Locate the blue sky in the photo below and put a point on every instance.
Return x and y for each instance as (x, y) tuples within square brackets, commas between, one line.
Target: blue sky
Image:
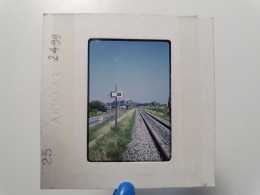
[(139, 68)]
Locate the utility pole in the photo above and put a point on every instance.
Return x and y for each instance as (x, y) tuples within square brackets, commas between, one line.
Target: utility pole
[(110, 110), (109, 96), (119, 107), (116, 108), (116, 94)]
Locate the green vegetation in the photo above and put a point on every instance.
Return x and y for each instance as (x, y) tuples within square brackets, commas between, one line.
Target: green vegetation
[(154, 103), (111, 146), (160, 111), (96, 108), (93, 131), (93, 113)]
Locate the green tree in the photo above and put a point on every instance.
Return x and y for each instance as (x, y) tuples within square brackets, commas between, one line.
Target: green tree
[(97, 105), (154, 103)]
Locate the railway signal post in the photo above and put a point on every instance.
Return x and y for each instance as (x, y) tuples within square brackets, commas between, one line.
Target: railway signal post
[(116, 94)]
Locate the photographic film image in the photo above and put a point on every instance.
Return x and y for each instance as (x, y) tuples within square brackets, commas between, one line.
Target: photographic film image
[(129, 100)]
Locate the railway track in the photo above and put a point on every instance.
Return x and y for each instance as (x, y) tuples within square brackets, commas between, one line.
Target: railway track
[(158, 119), (160, 133), (151, 139)]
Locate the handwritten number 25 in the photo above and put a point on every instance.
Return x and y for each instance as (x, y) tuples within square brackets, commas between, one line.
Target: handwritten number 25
[(47, 160)]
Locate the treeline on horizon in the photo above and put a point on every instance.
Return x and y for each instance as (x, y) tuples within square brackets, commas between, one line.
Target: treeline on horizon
[(99, 106)]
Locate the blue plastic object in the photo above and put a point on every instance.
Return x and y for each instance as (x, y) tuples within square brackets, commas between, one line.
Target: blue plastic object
[(125, 188)]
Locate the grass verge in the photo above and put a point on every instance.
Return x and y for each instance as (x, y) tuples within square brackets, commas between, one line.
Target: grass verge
[(93, 131), (111, 146)]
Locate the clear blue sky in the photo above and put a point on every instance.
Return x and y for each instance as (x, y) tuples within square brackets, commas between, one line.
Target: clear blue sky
[(139, 68)]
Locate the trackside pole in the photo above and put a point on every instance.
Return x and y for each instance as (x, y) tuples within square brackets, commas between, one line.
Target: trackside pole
[(116, 108)]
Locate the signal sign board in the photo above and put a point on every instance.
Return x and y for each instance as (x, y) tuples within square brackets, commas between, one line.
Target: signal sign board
[(117, 94), (113, 94)]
